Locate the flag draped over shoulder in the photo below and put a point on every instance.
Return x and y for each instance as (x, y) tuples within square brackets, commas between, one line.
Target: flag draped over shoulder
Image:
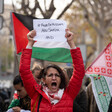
[(49, 51), (100, 72)]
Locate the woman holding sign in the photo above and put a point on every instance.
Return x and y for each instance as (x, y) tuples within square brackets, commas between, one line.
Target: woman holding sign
[(54, 95)]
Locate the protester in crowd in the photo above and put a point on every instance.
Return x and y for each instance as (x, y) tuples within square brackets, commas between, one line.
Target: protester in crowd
[(36, 71), (1, 104), (92, 106), (87, 80), (80, 102), (56, 95), (68, 73), (21, 102), (4, 99)]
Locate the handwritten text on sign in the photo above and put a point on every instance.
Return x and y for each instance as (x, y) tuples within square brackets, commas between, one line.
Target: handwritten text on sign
[(49, 30)]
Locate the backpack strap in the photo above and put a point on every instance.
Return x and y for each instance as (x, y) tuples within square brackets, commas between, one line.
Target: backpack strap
[(39, 103), (33, 110)]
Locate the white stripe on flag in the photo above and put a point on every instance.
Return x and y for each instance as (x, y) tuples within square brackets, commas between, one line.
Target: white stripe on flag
[(42, 44)]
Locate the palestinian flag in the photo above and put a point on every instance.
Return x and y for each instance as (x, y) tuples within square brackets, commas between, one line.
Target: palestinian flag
[(49, 51)]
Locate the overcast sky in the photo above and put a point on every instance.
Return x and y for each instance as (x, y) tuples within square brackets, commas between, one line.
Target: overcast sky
[(7, 1)]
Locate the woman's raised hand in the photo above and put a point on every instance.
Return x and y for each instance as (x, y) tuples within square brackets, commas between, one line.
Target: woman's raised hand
[(69, 37), (30, 37)]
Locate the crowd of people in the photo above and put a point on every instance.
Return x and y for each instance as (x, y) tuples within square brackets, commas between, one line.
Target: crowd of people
[(5, 95), (52, 88)]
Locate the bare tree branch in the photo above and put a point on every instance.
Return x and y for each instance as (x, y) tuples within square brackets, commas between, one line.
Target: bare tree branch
[(94, 9), (87, 17), (37, 5), (51, 10), (100, 15), (47, 13), (65, 9)]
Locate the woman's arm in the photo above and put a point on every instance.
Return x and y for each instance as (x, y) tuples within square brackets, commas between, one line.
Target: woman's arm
[(21, 110), (25, 72), (10, 110), (25, 110), (78, 73)]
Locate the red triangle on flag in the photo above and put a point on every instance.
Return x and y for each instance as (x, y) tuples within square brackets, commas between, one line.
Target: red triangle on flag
[(103, 63), (20, 34)]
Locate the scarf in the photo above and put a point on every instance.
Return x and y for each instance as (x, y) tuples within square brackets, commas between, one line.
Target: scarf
[(25, 103), (53, 96)]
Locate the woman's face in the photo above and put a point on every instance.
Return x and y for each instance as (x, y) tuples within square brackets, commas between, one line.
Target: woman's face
[(20, 90), (52, 79)]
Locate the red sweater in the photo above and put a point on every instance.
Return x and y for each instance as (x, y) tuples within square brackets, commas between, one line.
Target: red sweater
[(33, 89)]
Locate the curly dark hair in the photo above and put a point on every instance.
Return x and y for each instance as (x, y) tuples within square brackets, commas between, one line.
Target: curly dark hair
[(43, 73)]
